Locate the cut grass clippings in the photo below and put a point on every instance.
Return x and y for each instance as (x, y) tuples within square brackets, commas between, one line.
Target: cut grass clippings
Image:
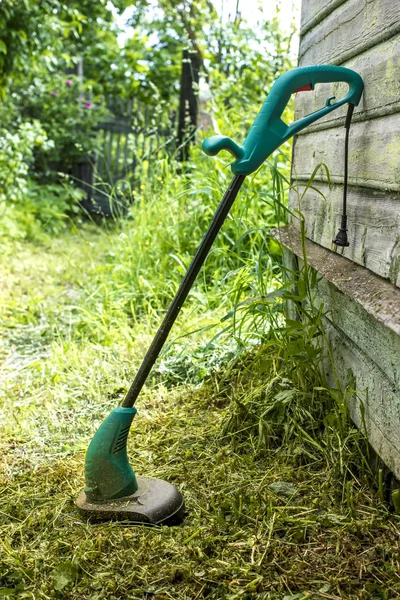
[(271, 513)]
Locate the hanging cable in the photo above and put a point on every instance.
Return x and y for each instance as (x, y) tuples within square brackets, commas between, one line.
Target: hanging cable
[(341, 236)]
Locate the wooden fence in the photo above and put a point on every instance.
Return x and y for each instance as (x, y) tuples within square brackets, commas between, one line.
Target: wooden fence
[(132, 133)]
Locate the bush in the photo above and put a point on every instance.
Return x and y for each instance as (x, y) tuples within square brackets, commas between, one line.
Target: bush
[(67, 115), (40, 210), (16, 156)]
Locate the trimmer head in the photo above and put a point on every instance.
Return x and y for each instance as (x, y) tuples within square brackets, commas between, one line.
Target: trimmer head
[(156, 502), (113, 492)]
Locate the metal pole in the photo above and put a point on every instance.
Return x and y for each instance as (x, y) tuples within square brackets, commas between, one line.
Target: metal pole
[(184, 289)]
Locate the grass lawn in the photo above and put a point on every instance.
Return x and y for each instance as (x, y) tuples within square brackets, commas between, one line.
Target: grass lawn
[(291, 520)]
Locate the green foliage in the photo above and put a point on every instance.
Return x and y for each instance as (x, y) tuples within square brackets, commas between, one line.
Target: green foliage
[(39, 211), (292, 517), (187, 22), (52, 204), (241, 72), (16, 157), (281, 472), (30, 33), (295, 402), (148, 69), (148, 66), (44, 36), (51, 129), (62, 106), (170, 215), (237, 70)]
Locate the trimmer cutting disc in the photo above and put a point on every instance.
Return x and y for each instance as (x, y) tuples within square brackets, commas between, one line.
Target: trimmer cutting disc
[(156, 502)]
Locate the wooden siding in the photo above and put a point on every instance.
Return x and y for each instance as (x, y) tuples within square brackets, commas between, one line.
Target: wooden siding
[(363, 35), (363, 328), (313, 12), (380, 68), (377, 395), (350, 29), (373, 234), (361, 295)]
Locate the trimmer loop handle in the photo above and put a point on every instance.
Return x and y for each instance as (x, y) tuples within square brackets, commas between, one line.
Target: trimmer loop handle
[(268, 131)]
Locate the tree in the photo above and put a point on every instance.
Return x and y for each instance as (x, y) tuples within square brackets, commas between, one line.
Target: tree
[(45, 34)]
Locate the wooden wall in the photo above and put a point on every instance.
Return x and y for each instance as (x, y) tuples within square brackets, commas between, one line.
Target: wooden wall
[(363, 35), (363, 328), (363, 310)]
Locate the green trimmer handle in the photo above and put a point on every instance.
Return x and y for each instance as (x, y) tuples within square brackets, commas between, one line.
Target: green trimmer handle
[(268, 131)]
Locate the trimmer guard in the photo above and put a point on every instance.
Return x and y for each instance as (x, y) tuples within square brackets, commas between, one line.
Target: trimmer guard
[(156, 502), (113, 491)]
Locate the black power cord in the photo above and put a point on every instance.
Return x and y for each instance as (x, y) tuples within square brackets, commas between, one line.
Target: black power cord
[(341, 236)]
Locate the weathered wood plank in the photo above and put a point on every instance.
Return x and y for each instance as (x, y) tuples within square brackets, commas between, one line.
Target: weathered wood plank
[(363, 323), (349, 30), (379, 68), (378, 395), (315, 12), (373, 225), (373, 153), (377, 342), (373, 211)]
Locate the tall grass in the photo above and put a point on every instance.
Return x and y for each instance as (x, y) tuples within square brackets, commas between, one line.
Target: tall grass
[(145, 256), (105, 287), (238, 413), (263, 450)]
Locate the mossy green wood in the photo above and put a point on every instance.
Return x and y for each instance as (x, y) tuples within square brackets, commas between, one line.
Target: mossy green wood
[(108, 472), (268, 131)]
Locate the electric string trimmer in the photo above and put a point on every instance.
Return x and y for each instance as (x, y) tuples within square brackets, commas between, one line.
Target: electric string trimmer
[(112, 489)]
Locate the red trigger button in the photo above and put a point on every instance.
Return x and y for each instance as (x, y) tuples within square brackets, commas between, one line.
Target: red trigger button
[(305, 88)]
